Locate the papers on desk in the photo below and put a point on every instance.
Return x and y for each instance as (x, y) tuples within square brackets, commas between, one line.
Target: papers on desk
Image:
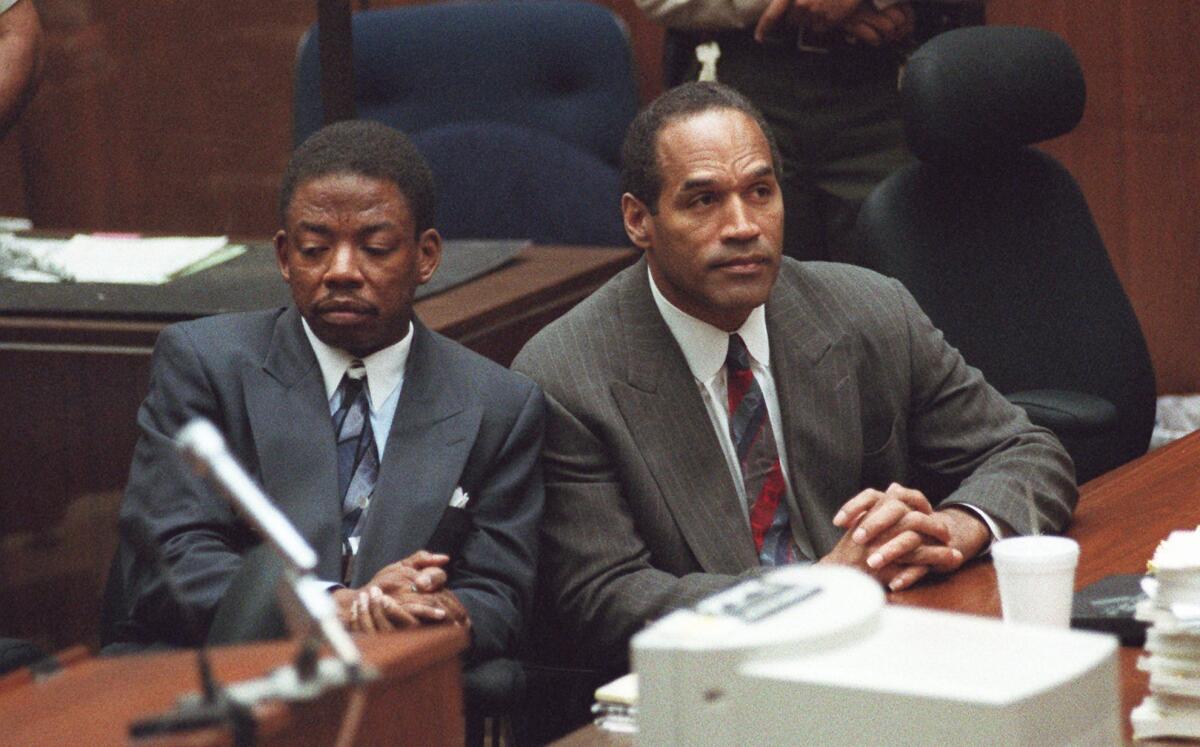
[(1172, 658), (616, 705), (99, 258)]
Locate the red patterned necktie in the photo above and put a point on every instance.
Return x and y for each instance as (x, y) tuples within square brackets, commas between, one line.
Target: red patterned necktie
[(762, 474)]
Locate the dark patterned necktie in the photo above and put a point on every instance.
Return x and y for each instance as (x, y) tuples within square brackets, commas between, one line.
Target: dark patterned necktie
[(358, 457), (762, 474)]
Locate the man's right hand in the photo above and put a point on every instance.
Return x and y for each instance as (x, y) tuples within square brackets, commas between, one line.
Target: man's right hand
[(423, 571), (404, 594), (878, 27), (856, 20), (895, 536)]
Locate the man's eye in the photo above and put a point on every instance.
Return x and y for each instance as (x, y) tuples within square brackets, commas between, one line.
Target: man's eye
[(377, 251), (703, 200), (310, 251), (763, 191)]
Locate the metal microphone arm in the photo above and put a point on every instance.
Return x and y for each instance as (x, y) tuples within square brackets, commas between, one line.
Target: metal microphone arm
[(204, 448)]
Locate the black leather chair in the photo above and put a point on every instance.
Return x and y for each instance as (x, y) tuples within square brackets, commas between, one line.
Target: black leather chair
[(16, 653), (995, 240)]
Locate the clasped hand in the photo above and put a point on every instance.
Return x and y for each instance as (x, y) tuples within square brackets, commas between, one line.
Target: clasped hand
[(856, 20), (404, 594), (896, 536)]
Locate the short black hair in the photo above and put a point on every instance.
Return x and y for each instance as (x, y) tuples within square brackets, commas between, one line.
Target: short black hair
[(640, 175), (369, 149)]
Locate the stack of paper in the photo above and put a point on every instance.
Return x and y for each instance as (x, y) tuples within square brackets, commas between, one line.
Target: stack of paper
[(115, 258), (1172, 709), (616, 705)]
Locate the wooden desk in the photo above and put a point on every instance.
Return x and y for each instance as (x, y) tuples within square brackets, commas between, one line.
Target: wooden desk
[(71, 389), (416, 700), (1121, 518)]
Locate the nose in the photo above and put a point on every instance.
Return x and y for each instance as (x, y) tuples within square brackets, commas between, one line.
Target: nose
[(343, 269), (740, 223)]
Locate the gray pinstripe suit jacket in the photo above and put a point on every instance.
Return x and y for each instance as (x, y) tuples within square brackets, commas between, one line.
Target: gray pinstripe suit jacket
[(641, 512)]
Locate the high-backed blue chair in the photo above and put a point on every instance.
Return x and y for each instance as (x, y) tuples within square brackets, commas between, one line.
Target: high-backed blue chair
[(995, 240), (519, 105)]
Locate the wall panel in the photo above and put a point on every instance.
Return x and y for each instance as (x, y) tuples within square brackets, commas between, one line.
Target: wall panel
[(1137, 156), (175, 115)]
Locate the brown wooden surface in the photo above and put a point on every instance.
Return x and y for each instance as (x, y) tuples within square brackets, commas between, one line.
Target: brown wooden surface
[(67, 426), (416, 700), (1120, 519)]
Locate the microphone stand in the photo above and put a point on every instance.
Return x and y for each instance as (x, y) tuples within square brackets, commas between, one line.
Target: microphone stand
[(308, 609)]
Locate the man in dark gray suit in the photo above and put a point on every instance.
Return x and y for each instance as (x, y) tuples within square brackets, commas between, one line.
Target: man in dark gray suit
[(442, 433), (716, 408)]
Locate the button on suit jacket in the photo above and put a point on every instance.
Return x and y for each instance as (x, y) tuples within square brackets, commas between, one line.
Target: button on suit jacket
[(641, 510), (461, 421)]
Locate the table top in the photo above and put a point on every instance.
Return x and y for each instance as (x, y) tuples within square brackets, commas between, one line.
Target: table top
[(1120, 519), (537, 275)]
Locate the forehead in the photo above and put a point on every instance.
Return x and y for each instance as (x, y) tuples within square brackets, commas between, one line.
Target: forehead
[(343, 195), (710, 143)]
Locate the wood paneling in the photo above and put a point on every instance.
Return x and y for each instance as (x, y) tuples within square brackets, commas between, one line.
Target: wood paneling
[(1137, 156), (176, 116)]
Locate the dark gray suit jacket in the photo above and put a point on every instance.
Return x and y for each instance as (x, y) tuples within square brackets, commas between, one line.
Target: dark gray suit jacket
[(641, 512), (461, 420)]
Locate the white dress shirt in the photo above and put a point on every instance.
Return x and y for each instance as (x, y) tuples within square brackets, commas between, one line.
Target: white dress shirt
[(385, 379), (705, 347)]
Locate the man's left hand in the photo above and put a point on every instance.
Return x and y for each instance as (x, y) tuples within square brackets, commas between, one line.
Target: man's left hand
[(903, 538), (817, 16), (373, 611)]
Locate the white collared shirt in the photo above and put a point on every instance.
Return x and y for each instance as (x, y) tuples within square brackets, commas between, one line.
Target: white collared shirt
[(705, 348), (385, 379)]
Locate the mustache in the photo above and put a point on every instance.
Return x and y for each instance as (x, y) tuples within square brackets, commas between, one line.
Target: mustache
[(344, 303), (756, 257)]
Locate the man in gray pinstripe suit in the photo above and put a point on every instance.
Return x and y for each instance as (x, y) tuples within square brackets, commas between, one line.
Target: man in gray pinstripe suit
[(897, 457)]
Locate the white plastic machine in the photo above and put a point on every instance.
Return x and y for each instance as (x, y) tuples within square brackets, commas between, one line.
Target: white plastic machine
[(813, 656)]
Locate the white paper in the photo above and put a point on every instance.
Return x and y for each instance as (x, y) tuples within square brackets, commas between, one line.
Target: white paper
[(128, 259)]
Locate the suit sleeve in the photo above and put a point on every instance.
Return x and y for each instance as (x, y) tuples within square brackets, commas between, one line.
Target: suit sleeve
[(963, 430), (494, 575), (165, 507)]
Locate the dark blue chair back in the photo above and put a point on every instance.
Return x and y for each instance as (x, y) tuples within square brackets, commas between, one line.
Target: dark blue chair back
[(502, 181), (559, 69), (996, 241)]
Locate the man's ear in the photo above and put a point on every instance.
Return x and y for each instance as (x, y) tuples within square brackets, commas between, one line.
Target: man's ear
[(281, 250), (429, 254), (638, 221)]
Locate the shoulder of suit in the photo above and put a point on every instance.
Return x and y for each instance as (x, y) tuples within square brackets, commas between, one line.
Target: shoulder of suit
[(594, 319), (832, 276), (230, 330), (841, 298), (453, 359)]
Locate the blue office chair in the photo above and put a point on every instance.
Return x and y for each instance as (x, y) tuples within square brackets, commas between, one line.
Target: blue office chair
[(996, 242), (520, 106)]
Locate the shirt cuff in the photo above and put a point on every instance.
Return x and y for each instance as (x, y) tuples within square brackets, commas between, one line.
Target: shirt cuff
[(994, 529)]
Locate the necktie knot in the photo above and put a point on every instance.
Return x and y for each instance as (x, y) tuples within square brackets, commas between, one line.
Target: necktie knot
[(738, 357), (352, 383)]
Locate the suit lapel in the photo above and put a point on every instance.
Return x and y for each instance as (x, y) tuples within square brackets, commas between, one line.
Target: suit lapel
[(293, 438), (426, 452), (810, 362), (666, 416)]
